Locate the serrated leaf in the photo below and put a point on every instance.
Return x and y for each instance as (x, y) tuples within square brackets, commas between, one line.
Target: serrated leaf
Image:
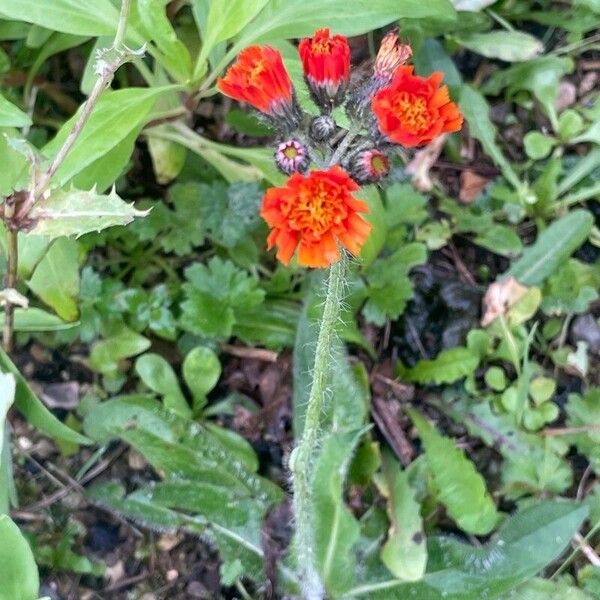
[(335, 528), (553, 245), (460, 487), (447, 367), (75, 212)]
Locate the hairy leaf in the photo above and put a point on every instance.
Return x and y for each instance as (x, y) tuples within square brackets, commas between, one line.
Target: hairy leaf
[(448, 366)]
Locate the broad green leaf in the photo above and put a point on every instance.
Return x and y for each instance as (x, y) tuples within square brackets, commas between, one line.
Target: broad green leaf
[(125, 343), (18, 571), (174, 55), (447, 367), (476, 111), (159, 376), (56, 278), (223, 517), (510, 46), (460, 487), (118, 116), (284, 19), (15, 167), (537, 145), (37, 415), (405, 551), (335, 528), (226, 18), (544, 589), (75, 212), (7, 397), (525, 544), (79, 17), (553, 246), (201, 371), (11, 116), (35, 319), (584, 411), (178, 446), (376, 216)]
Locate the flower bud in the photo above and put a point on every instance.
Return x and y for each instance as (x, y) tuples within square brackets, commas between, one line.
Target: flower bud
[(322, 128), (292, 156), (369, 166)]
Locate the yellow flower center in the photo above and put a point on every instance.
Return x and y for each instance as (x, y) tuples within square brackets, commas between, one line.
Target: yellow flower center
[(316, 209), (412, 111)]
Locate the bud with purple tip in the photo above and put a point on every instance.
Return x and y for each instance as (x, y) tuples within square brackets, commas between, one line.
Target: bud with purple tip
[(292, 156)]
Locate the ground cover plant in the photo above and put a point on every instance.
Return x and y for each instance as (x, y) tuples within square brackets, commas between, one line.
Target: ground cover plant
[(300, 299)]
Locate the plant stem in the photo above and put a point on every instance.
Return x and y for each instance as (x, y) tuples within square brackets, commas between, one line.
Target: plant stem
[(301, 460), (11, 282)]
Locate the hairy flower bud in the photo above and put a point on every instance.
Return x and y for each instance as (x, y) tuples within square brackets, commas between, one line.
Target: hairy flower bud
[(369, 166), (322, 128), (292, 156)]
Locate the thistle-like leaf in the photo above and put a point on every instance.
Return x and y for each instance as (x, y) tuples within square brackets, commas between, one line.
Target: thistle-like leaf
[(75, 212)]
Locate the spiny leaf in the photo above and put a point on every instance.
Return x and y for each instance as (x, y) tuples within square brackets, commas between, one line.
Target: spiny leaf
[(75, 212), (461, 488)]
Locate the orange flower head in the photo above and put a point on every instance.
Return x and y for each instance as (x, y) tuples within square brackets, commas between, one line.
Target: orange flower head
[(391, 55), (259, 78), (413, 110), (326, 62), (315, 213)]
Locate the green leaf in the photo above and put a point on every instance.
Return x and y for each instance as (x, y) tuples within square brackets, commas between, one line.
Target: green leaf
[(18, 571), (35, 319), (117, 119), (183, 227), (335, 528), (174, 55), (11, 116), (460, 487), (510, 46), (224, 21), (553, 245), (476, 111), (525, 544), (56, 278), (538, 145), (201, 371), (543, 589), (15, 166), (159, 376), (432, 56), (405, 551), (389, 287), (377, 217), (70, 16), (584, 411), (75, 212), (213, 293), (447, 367), (125, 343), (283, 19), (37, 415)]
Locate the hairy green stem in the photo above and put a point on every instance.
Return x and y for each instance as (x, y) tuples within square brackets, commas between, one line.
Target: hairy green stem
[(301, 460)]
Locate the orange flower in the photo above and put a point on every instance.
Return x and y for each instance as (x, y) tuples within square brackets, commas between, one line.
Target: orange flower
[(259, 78), (326, 62), (414, 110), (316, 213)]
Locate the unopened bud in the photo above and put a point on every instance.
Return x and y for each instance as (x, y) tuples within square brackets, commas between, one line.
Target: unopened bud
[(292, 156), (322, 128), (369, 166)]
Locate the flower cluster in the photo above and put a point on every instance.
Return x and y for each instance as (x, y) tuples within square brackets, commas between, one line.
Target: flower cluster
[(316, 212)]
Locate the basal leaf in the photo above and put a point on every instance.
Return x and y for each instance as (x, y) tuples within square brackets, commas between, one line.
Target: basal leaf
[(336, 530), (31, 407), (460, 487), (447, 367), (75, 212), (18, 571), (553, 246)]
